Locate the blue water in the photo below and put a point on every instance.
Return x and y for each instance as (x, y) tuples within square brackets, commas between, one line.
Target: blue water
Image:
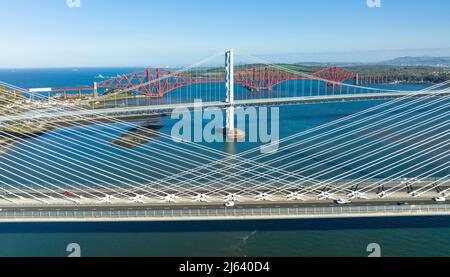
[(59, 77), (414, 236), (426, 236)]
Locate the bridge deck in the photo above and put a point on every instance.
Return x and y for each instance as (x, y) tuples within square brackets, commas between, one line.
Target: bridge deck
[(247, 102), (398, 190)]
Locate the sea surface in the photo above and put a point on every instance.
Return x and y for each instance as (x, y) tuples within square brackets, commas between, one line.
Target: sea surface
[(407, 236)]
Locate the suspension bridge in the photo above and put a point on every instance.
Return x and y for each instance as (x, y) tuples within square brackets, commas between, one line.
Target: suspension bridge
[(256, 85), (390, 159)]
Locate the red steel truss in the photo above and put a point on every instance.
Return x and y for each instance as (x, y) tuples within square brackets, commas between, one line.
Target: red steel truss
[(154, 81), (335, 74), (259, 77)]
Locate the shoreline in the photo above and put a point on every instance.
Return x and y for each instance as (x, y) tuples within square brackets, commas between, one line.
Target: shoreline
[(15, 136), (12, 137)]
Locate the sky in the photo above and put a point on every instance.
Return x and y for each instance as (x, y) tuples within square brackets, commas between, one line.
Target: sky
[(48, 33)]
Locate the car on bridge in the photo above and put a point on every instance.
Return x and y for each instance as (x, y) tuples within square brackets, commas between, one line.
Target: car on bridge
[(342, 201), (230, 204), (439, 199)]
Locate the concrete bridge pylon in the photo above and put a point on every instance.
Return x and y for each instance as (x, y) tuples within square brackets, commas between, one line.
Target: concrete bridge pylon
[(230, 131)]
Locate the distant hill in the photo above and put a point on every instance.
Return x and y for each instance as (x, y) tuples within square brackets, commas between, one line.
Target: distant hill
[(401, 61), (419, 61), (325, 64)]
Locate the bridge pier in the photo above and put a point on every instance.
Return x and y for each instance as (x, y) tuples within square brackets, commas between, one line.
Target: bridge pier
[(357, 79)]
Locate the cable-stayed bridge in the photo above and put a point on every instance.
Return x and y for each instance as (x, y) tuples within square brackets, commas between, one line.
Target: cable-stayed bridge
[(394, 151)]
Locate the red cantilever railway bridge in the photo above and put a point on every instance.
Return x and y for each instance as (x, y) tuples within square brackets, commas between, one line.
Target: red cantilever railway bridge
[(154, 81)]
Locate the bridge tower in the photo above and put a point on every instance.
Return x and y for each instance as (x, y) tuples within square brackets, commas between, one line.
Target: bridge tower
[(229, 87), (230, 130)]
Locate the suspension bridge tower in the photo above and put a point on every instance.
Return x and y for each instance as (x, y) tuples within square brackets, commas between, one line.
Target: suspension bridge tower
[(230, 131)]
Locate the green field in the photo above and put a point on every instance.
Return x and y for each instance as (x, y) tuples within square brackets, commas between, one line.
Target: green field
[(412, 74)]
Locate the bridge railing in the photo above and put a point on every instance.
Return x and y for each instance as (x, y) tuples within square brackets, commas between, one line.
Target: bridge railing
[(205, 214)]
